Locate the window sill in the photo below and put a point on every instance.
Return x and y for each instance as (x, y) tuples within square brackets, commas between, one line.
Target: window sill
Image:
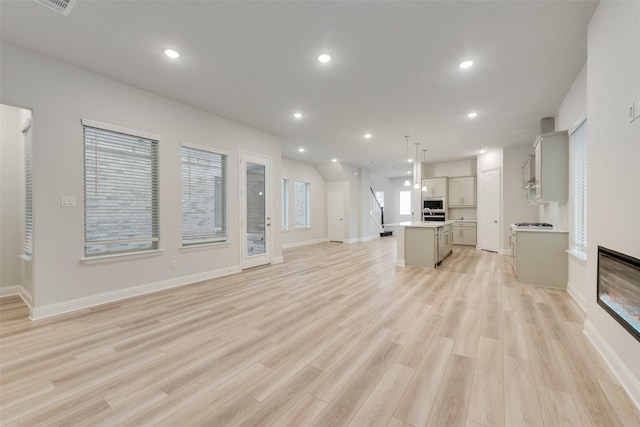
[(284, 230), (578, 256), (102, 259), (204, 246), (24, 257), (307, 227)]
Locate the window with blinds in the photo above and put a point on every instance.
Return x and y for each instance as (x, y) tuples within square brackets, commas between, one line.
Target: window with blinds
[(204, 196), (285, 203), (120, 192), (579, 189), (28, 192), (302, 210)]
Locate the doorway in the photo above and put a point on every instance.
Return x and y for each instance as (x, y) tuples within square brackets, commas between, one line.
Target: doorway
[(336, 216), (255, 221), (489, 201)]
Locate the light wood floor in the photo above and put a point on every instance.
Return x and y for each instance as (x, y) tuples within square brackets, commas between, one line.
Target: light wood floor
[(337, 335)]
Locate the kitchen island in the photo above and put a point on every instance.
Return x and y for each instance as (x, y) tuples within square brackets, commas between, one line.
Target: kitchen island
[(423, 244)]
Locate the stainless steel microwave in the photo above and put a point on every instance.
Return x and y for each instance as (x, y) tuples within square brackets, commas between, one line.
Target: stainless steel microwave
[(433, 203)]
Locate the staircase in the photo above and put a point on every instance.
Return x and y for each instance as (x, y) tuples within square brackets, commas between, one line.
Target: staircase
[(377, 213)]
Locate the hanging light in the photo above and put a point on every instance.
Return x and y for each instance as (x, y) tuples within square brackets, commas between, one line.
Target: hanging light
[(415, 174), (407, 183), (424, 158)]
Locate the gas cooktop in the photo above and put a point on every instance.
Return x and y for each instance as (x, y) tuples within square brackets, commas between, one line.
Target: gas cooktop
[(533, 224)]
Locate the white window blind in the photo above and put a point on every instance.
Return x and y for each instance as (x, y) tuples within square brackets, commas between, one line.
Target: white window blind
[(121, 192), (28, 192), (285, 203), (302, 204), (579, 189), (204, 196)]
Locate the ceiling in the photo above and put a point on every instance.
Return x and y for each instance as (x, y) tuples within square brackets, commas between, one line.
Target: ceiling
[(394, 70)]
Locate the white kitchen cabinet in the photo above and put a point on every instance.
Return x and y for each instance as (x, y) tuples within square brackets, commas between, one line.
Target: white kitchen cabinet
[(462, 192), (552, 167), (540, 257), (436, 187), (465, 233), (529, 179)]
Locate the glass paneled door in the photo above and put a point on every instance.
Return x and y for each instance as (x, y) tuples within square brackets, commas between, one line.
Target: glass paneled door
[(256, 217)]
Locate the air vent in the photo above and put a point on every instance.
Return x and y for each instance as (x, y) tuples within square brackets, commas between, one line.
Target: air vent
[(61, 6)]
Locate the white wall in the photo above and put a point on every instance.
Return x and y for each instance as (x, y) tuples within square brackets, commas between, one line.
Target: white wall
[(299, 171), (463, 167), (60, 96), (514, 206), (572, 110), (613, 82), (11, 182)]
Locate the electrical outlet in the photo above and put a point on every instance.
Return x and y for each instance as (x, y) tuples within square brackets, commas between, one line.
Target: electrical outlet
[(174, 264), (67, 201)]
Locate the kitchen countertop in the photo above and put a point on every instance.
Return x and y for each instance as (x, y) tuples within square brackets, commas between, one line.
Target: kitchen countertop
[(538, 229), (419, 224)]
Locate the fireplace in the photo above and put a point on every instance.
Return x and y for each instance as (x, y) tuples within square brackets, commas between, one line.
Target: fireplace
[(619, 288)]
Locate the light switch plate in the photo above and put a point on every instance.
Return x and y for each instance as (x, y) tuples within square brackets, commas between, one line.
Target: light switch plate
[(632, 113), (67, 201)]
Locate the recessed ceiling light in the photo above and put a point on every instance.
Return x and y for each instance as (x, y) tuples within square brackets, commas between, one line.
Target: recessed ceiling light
[(472, 115), (408, 172), (301, 150), (297, 115), (324, 58), (334, 160), (171, 53), (410, 160), (482, 149), (466, 64), (367, 136)]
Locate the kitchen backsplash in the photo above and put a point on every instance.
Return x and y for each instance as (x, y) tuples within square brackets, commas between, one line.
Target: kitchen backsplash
[(555, 213), (462, 213)]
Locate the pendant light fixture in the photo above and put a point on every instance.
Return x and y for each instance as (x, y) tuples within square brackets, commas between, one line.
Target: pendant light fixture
[(406, 181), (424, 159), (415, 170)]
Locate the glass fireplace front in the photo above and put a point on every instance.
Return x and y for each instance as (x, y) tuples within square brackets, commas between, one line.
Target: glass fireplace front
[(619, 288)]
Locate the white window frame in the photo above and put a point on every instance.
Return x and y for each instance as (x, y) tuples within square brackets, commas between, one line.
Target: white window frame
[(307, 204), (217, 236), (28, 191), (153, 239), (578, 154), (284, 187)]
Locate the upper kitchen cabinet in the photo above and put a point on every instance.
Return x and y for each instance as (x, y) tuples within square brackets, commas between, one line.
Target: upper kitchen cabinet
[(462, 192), (529, 179), (436, 187), (552, 167)]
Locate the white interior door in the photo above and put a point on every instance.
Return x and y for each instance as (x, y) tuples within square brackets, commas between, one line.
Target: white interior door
[(255, 221), (336, 215), (489, 210)]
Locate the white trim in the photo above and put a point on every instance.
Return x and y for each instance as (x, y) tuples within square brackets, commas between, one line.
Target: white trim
[(26, 258), (353, 240), (277, 260), (305, 243), (577, 123), (119, 129), (17, 290), (204, 246), (400, 263), (204, 148), (626, 378), (577, 297), (107, 297), (578, 256), (369, 238), (101, 259), (505, 252)]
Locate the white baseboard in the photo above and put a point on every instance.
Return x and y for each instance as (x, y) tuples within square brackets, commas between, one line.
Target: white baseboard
[(628, 381), (277, 260), (17, 290), (354, 240), (401, 263), (577, 297), (107, 297), (305, 243), (369, 238), (505, 252)]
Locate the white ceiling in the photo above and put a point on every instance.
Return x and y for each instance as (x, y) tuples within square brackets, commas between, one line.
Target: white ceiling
[(395, 68)]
